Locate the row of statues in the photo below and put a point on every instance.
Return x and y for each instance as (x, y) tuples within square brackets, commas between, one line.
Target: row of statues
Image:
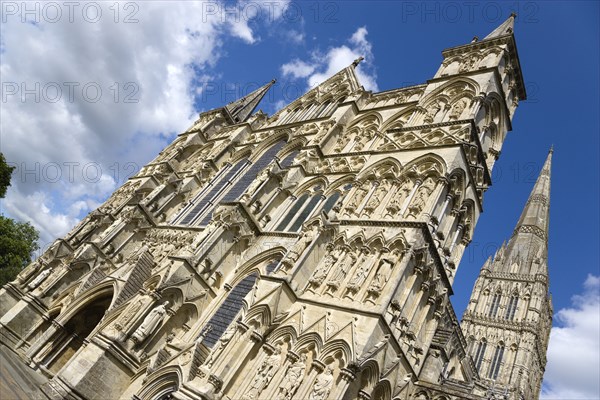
[(339, 263), (290, 382), (391, 196)]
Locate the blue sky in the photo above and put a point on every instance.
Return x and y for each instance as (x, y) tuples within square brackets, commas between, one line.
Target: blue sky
[(174, 59)]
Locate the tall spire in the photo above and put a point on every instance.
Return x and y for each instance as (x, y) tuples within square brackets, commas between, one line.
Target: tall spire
[(506, 28), (241, 109), (531, 233)]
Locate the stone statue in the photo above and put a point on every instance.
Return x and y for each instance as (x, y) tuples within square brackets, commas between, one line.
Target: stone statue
[(377, 196), (264, 375), (340, 272), (322, 385), (358, 278), (322, 271), (131, 311), (457, 109), (341, 142), (422, 195), (259, 180), (28, 271), (301, 245), (358, 197), (292, 379), (432, 111), (383, 272), (400, 197), (151, 323), (39, 279)]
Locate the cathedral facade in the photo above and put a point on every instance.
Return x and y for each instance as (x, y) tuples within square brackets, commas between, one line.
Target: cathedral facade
[(305, 255)]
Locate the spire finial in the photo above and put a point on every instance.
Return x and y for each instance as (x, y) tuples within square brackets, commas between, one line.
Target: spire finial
[(513, 14), (357, 61), (551, 149)]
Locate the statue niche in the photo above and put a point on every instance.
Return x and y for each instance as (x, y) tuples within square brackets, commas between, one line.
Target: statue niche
[(322, 271), (151, 323), (322, 386), (295, 252), (292, 379), (264, 375), (421, 197), (382, 275), (399, 198)]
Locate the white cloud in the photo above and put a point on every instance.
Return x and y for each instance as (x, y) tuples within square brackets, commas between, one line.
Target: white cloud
[(154, 62), (574, 351), (322, 66), (297, 69), (245, 12)]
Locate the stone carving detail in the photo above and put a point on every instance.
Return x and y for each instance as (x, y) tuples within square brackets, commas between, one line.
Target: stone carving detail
[(340, 271), (322, 270), (421, 197), (432, 111), (264, 375), (359, 195), (383, 273), (457, 109), (305, 240), (292, 379), (399, 197), (322, 385), (39, 279), (151, 323)]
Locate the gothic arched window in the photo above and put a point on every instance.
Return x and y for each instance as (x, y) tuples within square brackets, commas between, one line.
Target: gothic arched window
[(228, 310), (495, 304), (287, 161), (512, 307), (227, 187), (292, 212), (480, 353), (496, 362)]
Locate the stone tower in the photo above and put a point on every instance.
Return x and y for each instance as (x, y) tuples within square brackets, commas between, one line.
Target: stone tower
[(508, 319), (305, 255)]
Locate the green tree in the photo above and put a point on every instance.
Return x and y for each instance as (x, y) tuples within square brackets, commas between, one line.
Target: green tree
[(5, 172), (18, 240)]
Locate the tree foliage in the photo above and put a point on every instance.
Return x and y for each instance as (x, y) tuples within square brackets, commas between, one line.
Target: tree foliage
[(5, 172), (18, 240)]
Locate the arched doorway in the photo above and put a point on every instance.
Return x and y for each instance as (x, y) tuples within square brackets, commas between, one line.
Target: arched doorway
[(65, 342)]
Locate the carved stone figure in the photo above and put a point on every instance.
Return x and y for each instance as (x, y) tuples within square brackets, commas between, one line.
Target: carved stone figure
[(421, 196), (39, 279), (340, 272), (358, 278), (151, 323), (342, 142), (259, 180), (321, 272), (301, 245), (383, 272), (292, 379), (322, 385), (400, 197), (358, 197), (377, 197), (432, 111), (264, 375), (457, 109), (131, 311)]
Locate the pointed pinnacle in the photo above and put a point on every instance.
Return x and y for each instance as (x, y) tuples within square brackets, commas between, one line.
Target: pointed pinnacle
[(357, 61)]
